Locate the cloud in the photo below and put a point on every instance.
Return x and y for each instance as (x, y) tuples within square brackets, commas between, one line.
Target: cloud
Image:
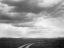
[(24, 6), (13, 0), (16, 0), (31, 19), (48, 3), (5, 8), (7, 30), (41, 27), (34, 6), (15, 17), (46, 31), (46, 27), (7, 16)]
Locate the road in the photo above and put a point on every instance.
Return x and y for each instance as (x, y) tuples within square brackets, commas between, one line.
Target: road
[(26, 45)]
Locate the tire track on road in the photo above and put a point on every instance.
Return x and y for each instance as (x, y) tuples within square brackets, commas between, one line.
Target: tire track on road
[(29, 45), (26, 45)]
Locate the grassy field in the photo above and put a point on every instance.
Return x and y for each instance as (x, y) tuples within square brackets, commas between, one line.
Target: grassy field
[(44, 42)]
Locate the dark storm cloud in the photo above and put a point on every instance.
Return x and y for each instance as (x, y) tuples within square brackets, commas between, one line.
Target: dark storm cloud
[(8, 16), (28, 6), (18, 18), (23, 6), (26, 23), (58, 11)]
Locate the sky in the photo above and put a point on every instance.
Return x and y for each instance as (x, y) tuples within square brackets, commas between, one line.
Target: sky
[(31, 18)]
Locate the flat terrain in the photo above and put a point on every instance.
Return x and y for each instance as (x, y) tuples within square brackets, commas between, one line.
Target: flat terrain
[(38, 43)]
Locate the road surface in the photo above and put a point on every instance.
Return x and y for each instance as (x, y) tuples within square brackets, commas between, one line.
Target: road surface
[(26, 45)]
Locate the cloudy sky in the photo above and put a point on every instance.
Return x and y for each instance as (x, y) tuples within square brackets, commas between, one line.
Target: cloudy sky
[(32, 18)]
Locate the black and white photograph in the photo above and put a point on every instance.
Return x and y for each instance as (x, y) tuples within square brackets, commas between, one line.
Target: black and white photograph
[(31, 23)]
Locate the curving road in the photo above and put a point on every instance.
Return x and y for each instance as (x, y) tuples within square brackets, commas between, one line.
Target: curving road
[(23, 46), (29, 45), (26, 45)]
